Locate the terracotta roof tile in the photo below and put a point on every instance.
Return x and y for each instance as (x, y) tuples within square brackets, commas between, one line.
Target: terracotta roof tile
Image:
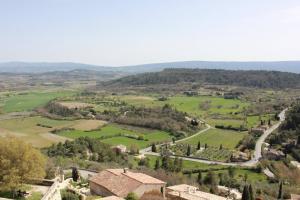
[(120, 183)]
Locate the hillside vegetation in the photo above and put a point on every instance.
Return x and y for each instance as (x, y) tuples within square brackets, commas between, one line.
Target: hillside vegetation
[(288, 135), (257, 79)]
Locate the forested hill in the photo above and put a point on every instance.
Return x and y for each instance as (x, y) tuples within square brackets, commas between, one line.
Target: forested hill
[(252, 78)]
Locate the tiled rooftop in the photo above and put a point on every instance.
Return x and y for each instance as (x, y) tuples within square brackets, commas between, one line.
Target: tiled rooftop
[(121, 183)]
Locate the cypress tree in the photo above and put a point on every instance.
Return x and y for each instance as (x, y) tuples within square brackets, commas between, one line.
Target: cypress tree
[(251, 192), (199, 179), (205, 146), (173, 139), (164, 162), (231, 171), (180, 165), (176, 164), (188, 153), (246, 195), (280, 191), (156, 164), (75, 174), (199, 146), (153, 148)]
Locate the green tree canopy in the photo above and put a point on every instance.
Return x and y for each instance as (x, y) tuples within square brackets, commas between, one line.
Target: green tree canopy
[(19, 163)]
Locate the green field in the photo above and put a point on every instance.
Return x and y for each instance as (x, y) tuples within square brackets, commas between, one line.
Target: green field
[(29, 100), (252, 121), (192, 105), (114, 134), (225, 122), (216, 137)]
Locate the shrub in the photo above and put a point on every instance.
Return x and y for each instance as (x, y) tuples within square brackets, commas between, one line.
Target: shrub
[(68, 195)]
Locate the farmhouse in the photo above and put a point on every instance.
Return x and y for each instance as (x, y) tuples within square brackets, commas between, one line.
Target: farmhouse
[(190, 93), (239, 156), (187, 192), (273, 154), (233, 193), (120, 148), (120, 182), (258, 131)]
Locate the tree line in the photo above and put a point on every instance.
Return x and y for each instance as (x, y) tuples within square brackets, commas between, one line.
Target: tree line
[(253, 78)]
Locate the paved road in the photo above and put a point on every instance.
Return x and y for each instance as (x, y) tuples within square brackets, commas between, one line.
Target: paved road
[(251, 163), (258, 147)]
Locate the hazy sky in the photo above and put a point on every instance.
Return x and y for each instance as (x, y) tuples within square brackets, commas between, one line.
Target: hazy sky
[(123, 32)]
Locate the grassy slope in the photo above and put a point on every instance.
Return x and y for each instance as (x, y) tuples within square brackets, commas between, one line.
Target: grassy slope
[(114, 130), (190, 104), (27, 128), (31, 100)]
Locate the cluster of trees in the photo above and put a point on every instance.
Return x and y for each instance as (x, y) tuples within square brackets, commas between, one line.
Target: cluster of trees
[(69, 195), (248, 193), (258, 79), (84, 148), (168, 164), (163, 118), (58, 109), (230, 127), (19, 163)]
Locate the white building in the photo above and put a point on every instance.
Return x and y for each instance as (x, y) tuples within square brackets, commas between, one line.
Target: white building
[(189, 192)]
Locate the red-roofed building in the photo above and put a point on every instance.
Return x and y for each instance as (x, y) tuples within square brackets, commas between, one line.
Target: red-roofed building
[(120, 182)]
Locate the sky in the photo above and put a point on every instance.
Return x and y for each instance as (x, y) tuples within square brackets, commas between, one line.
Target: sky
[(128, 32)]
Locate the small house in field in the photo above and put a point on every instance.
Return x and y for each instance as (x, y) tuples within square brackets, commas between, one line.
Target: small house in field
[(121, 182), (120, 148), (239, 156), (273, 154), (231, 192), (190, 93), (162, 98), (257, 131)]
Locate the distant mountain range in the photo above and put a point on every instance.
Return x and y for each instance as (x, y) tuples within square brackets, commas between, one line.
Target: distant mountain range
[(39, 67)]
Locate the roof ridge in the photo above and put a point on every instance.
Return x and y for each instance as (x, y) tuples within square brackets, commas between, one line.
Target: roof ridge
[(126, 174)]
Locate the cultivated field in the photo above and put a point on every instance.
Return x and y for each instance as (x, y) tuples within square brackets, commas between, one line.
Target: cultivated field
[(75, 105), (31, 130), (36, 130), (216, 137), (117, 134), (88, 125), (16, 102), (192, 105)]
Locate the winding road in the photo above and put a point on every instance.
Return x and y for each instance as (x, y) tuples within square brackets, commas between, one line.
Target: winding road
[(257, 155)]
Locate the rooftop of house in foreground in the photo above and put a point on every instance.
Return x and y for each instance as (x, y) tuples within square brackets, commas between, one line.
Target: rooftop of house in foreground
[(122, 181), (112, 198)]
